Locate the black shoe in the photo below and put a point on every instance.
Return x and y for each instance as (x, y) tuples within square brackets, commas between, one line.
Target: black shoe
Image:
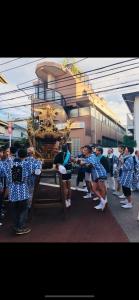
[(23, 231)]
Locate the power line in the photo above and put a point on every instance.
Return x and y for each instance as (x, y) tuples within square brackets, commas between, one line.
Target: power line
[(54, 81), (30, 63), (21, 65), (7, 62), (69, 97), (10, 99), (85, 71), (76, 62)]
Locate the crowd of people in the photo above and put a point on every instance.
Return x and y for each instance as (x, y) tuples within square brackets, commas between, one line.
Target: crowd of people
[(18, 168), (97, 173)]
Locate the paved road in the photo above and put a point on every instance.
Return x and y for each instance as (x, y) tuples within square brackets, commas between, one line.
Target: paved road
[(127, 218), (83, 223)]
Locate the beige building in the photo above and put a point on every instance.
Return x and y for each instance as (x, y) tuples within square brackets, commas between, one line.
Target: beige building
[(93, 121)]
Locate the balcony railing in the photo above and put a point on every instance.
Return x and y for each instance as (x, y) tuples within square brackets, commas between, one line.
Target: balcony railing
[(44, 95)]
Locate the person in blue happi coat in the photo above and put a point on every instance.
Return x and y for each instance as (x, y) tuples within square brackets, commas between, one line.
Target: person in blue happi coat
[(36, 167), (127, 177), (18, 174)]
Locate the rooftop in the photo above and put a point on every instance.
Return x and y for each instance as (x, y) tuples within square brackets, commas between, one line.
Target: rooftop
[(129, 100)]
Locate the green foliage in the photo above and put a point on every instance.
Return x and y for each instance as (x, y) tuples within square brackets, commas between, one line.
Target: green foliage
[(129, 141), (74, 68), (65, 62)]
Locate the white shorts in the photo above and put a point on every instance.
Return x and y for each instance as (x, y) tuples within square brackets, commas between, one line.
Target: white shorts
[(88, 177)]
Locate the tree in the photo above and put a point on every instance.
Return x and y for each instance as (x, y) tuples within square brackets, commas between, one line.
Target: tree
[(129, 141)]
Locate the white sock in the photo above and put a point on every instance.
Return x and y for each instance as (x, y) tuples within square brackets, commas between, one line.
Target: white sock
[(102, 199), (106, 198)]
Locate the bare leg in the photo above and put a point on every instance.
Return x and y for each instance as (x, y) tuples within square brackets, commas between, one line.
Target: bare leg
[(102, 189), (95, 189), (88, 184), (65, 189), (69, 189), (129, 198)]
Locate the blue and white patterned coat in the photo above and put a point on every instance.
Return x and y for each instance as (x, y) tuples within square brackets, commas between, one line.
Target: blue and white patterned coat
[(98, 170), (1, 176), (18, 191), (7, 163), (126, 178), (35, 164)]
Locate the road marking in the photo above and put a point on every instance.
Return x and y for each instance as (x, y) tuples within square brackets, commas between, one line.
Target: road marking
[(57, 185)]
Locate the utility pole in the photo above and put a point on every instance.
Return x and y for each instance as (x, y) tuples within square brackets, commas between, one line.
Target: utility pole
[(94, 117)]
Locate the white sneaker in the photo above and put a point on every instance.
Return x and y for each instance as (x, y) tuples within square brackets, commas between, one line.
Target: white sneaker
[(69, 201), (122, 196), (96, 198), (99, 206), (124, 201), (104, 202), (87, 196), (77, 189), (85, 190), (128, 205), (138, 217), (116, 193), (1, 224)]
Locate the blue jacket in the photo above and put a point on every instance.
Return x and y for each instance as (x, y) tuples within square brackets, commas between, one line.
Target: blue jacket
[(97, 170), (126, 178)]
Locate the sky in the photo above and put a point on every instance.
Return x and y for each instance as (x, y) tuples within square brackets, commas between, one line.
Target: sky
[(17, 76)]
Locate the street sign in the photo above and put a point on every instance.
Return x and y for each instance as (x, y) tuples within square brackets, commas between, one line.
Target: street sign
[(10, 129)]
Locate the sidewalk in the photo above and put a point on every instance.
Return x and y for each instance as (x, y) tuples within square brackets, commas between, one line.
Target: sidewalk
[(127, 218)]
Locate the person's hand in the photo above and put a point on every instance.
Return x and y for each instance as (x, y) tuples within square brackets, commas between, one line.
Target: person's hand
[(81, 162)]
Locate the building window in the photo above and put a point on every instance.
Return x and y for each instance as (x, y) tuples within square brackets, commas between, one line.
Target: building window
[(84, 111), (49, 95), (57, 96), (41, 92), (88, 131), (74, 113), (76, 144), (36, 91)]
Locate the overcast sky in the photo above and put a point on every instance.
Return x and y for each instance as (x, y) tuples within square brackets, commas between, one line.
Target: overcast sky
[(25, 73)]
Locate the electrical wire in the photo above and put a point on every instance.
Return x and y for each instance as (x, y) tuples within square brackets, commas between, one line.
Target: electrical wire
[(9, 61), (65, 86)]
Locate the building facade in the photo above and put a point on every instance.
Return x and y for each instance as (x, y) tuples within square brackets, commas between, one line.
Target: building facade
[(93, 121), (18, 133), (132, 101)]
